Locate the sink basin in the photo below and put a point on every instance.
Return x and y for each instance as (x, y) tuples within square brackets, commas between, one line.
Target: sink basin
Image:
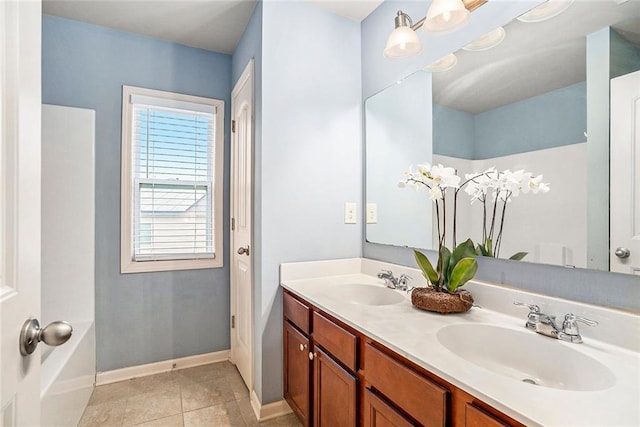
[(357, 293), (526, 356)]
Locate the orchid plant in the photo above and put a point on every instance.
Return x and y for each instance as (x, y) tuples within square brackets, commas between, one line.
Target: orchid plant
[(453, 268), (495, 190)]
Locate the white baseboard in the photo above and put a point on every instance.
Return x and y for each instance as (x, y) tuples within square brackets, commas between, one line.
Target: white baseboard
[(270, 410), (131, 372)]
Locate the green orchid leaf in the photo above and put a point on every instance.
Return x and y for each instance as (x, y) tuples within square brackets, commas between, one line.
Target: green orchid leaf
[(426, 267), (443, 264), (462, 273), (487, 247), (464, 250), (480, 250), (518, 256)]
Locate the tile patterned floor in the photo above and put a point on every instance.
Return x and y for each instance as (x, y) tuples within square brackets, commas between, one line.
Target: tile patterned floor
[(208, 395)]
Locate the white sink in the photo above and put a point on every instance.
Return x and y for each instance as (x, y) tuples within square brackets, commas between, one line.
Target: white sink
[(526, 356), (357, 293)]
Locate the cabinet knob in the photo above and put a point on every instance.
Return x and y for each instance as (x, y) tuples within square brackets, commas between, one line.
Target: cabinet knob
[(302, 347), (312, 355)]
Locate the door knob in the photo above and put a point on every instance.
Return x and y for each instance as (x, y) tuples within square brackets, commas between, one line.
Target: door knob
[(54, 334), (622, 252), (244, 251)]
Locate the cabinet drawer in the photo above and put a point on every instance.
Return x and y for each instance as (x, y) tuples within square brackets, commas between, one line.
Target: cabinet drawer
[(296, 312), (337, 341), (476, 417), (418, 396)]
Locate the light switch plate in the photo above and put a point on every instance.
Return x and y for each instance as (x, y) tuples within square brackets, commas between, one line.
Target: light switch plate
[(350, 213), (372, 213)]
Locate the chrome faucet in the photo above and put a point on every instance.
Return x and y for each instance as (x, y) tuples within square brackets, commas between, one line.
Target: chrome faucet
[(392, 282), (545, 324)]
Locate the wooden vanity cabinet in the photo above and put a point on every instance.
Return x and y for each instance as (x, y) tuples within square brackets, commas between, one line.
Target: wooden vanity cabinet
[(297, 366), (320, 362), (335, 376)]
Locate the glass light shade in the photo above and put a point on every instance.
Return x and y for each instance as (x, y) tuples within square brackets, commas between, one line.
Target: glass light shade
[(443, 64), (444, 16), (546, 11), (489, 40), (402, 42)]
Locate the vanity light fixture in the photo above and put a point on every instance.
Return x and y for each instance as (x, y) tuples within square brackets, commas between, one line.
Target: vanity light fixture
[(488, 41), (442, 17), (403, 41), (546, 10), (443, 64)]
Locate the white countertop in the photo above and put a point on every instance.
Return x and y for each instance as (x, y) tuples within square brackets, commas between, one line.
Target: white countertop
[(412, 333)]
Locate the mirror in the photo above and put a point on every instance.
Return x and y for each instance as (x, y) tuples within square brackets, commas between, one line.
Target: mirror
[(524, 104)]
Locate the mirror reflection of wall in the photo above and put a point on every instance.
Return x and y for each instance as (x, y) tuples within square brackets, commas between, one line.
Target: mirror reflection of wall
[(538, 102), (398, 128), (538, 134)]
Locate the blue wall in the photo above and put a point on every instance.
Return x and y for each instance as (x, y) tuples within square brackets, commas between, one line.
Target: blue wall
[(311, 155), (548, 120), (454, 133), (552, 119), (145, 317)]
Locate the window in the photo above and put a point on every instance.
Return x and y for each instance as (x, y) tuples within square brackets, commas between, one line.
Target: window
[(172, 150)]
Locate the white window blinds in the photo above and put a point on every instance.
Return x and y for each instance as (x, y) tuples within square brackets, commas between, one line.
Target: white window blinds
[(173, 162)]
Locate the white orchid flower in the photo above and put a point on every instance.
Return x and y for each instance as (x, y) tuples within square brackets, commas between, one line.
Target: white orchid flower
[(537, 186), (435, 193), (445, 177)]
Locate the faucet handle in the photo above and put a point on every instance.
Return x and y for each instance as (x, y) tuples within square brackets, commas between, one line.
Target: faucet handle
[(570, 327), (385, 273), (404, 279), (534, 314), (532, 307)]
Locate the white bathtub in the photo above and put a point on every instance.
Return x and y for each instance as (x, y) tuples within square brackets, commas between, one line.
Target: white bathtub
[(68, 377)]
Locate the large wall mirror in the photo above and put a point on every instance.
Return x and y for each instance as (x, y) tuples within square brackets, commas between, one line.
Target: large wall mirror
[(539, 102)]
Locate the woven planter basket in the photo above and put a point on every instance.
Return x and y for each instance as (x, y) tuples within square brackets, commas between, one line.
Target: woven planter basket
[(442, 302)]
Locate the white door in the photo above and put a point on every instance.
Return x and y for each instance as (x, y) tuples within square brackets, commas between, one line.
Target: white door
[(625, 174), (19, 207), (241, 237)]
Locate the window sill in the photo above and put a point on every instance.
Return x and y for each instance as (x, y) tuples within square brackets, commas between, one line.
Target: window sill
[(128, 266)]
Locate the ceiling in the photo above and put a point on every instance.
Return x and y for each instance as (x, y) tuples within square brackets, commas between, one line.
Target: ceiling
[(212, 25), (534, 58)]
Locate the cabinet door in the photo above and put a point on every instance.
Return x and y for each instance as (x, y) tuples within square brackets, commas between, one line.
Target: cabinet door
[(335, 395), (377, 413), (476, 417), (297, 372)]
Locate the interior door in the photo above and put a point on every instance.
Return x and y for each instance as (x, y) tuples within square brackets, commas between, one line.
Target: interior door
[(625, 174), (20, 100), (241, 226)]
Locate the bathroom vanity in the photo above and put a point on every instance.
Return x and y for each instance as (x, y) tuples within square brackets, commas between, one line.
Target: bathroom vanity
[(358, 353)]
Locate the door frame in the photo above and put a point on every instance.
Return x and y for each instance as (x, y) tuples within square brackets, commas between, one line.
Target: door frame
[(247, 77)]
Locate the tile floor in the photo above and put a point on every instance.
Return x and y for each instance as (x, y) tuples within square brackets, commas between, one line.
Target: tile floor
[(208, 395)]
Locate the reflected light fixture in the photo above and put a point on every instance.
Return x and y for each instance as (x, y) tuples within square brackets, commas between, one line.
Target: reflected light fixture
[(445, 16), (403, 41), (442, 17), (546, 10), (443, 64), (486, 42)]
